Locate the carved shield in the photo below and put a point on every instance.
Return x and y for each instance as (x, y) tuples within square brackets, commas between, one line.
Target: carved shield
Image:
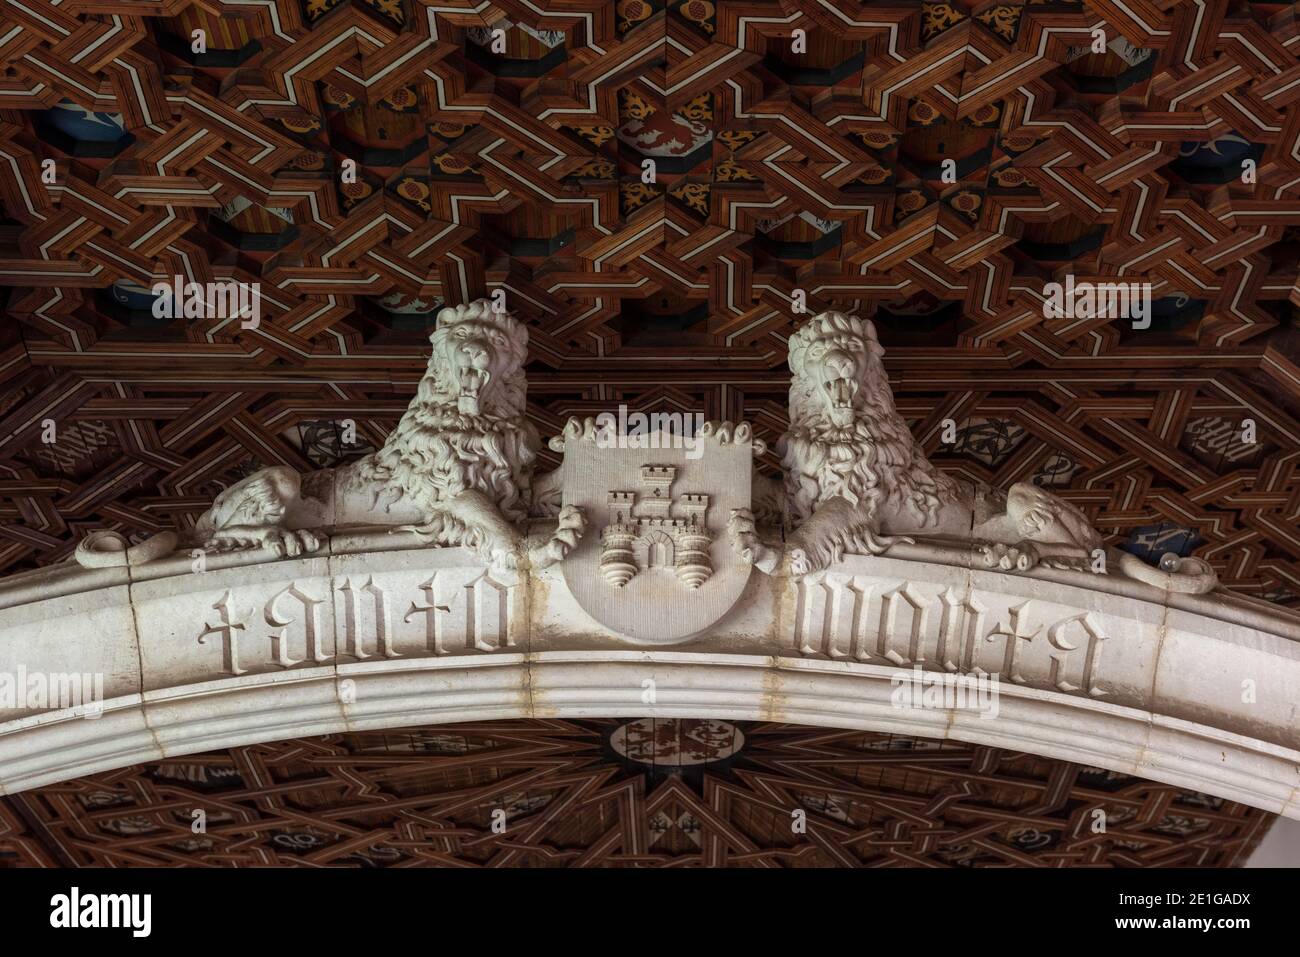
[(655, 563)]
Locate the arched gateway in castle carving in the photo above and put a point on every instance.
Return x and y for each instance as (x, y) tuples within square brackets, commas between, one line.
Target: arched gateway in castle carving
[(856, 596)]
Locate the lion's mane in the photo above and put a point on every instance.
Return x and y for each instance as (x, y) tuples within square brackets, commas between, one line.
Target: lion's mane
[(872, 463), (436, 451)]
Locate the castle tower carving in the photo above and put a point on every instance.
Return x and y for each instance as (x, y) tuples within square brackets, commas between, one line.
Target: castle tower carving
[(654, 530)]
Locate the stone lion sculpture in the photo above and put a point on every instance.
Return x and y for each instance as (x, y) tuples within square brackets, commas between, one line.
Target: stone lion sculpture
[(458, 468), (856, 481)]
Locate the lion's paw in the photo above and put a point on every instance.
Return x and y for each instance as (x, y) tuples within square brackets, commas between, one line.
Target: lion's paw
[(807, 559), (569, 529), (283, 541), (1020, 557), (503, 558), (746, 544)]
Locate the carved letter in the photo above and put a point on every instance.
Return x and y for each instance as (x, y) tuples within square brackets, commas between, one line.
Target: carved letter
[(1056, 636), (383, 621), (432, 623), (959, 629), (1013, 638), (310, 624), (230, 641), (890, 603), (477, 593)]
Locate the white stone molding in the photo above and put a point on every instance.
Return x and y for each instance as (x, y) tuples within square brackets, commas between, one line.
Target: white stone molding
[(378, 630), (422, 584)]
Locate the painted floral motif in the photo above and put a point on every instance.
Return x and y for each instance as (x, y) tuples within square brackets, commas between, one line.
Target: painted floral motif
[(922, 113), (595, 169), (449, 164), (698, 108), (87, 125), (1057, 470), (701, 13), (389, 8), (874, 175), (632, 106), (300, 124), (729, 171), (967, 202), (333, 96), (1003, 20), (249, 217), (938, 17), (1149, 542), (908, 202), (632, 13), (315, 9), (990, 114), (415, 192), (989, 441), (766, 226), (634, 195), (400, 304), (354, 193), (447, 131), (877, 139), (595, 135), (401, 100), (694, 195), (1029, 838), (1214, 146), (309, 160), (735, 139)]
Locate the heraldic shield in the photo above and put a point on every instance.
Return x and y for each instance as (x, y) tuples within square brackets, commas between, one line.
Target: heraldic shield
[(655, 564)]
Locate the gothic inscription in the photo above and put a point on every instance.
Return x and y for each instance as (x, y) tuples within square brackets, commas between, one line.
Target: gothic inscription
[(906, 624), (374, 617)]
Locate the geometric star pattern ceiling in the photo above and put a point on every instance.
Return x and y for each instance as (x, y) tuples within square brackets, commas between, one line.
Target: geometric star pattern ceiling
[(502, 147), (647, 793)]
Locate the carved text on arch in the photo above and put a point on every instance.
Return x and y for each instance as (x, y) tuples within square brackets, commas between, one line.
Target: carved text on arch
[(903, 624), (447, 612)]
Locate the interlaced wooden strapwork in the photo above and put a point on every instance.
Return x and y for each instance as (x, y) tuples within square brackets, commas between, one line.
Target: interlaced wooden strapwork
[(569, 795), (784, 164)]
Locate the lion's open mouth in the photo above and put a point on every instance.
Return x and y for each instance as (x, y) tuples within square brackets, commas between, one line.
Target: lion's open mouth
[(472, 383), (473, 380), (840, 392)]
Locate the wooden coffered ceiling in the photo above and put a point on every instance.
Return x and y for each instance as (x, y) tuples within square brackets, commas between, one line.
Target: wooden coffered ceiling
[(597, 793), (520, 169)]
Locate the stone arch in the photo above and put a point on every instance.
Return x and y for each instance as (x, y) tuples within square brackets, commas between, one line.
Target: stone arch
[(656, 549), (1191, 690)]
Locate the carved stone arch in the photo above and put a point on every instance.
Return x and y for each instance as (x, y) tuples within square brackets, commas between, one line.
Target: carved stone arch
[(656, 549), (1190, 690)]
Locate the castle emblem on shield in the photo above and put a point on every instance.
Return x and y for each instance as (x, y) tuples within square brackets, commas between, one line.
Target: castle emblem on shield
[(656, 532), (661, 569)]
